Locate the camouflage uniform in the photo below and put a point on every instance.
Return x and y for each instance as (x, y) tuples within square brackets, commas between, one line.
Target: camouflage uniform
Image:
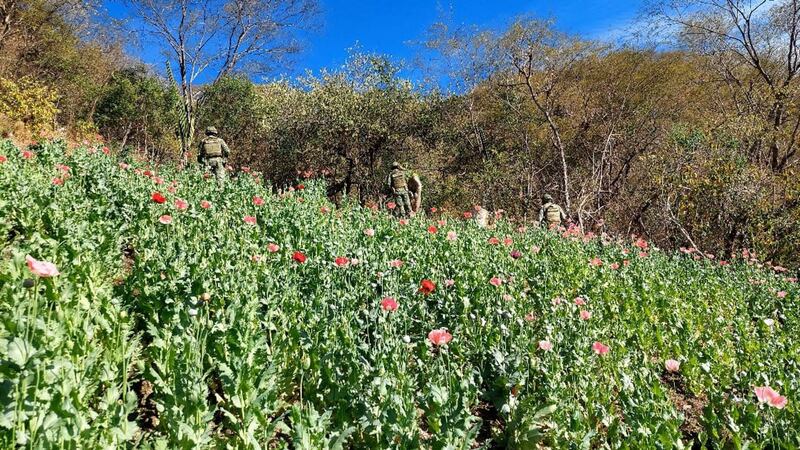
[(550, 214), (398, 184), (213, 154)]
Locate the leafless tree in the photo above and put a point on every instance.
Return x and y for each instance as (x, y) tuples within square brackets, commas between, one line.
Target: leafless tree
[(222, 37), (755, 46)]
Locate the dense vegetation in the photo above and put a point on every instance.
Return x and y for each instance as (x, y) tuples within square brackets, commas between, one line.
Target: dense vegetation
[(176, 314)]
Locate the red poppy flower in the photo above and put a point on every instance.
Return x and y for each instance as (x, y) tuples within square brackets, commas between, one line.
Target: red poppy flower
[(158, 198), (391, 205), (468, 215), (342, 261), (300, 187), (205, 204), (27, 154), (427, 287), (2, 159), (432, 229), (250, 220), (258, 201), (434, 210), (299, 257), (493, 241)]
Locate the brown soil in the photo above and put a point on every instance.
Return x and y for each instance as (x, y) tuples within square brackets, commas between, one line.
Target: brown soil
[(689, 404)]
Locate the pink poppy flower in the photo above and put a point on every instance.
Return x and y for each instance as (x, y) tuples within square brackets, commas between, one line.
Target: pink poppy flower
[(181, 204), (530, 317), (449, 282), (536, 249), (389, 304), (27, 154), (63, 168), (545, 346), (250, 220), (3, 159), (585, 315), (369, 232), (641, 243), (626, 263), (205, 204), (507, 241), (614, 266), (766, 394), (391, 205), (434, 210), (496, 282), (440, 337), (396, 263), (324, 210), (596, 262), (522, 230), (556, 301), (452, 236), (508, 297), (477, 208), (256, 258), (403, 221), (258, 201), (441, 222), (599, 348), (42, 269), (245, 169), (468, 215), (57, 181), (672, 365), (579, 301), (342, 261), (165, 219), (493, 241), (516, 254), (273, 248), (781, 294), (172, 189), (643, 255)]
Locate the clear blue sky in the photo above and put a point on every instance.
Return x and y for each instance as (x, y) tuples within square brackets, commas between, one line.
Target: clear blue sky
[(386, 27)]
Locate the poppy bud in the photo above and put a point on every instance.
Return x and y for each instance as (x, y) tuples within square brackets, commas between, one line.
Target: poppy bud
[(28, 283)]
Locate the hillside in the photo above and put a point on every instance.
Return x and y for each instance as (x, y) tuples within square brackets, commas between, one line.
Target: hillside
[(211, 318)]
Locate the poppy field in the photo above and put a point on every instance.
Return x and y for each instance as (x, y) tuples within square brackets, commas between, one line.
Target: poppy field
[(147, 307)]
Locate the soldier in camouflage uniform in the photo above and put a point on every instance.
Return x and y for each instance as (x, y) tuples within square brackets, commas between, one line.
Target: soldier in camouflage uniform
[(398, 185), (213, 154), (550, 214)]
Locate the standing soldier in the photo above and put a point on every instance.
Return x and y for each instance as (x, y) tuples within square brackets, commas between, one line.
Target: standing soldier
[(214, 154), (550, 214), (398, 185)]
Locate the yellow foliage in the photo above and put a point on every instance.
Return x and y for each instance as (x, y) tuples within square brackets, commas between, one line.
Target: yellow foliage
[(28, 102)]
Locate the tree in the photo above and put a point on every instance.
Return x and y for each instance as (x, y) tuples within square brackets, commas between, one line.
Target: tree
[(754, 48), (221, 37)]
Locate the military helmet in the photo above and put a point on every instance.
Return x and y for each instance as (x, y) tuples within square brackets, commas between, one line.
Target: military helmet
[(547, 198), (211, 131)]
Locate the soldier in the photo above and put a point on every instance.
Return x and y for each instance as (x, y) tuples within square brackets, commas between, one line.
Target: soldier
[(551, 214), (214, 154), (398, 185)]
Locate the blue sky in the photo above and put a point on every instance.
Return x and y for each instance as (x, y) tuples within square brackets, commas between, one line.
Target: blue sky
[(386, 27)]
